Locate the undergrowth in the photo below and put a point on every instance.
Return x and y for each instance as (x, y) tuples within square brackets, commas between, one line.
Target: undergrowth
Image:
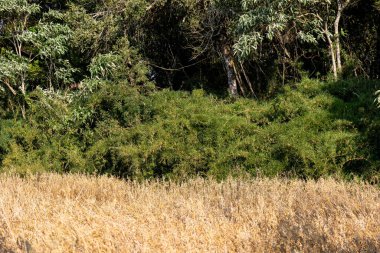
[(310, 130)]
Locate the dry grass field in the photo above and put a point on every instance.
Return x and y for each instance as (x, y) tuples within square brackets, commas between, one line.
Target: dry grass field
[(53, 213)]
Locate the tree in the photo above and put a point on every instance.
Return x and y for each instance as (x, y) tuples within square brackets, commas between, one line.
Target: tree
[(32, 41), (333, 37), (210, 28), (50, 41), (278, 32), (207, 27), (302, 20), (123, 63), (16, 19), (98, 26)]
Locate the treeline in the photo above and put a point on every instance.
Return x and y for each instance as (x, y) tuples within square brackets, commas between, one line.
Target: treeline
[(83, 87), (246, 47)]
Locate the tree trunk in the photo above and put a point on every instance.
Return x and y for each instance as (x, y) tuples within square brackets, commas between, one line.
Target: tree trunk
[(332, 52), (337, 37), (6, 82), (23, 86), (230, 68), (23, 110)]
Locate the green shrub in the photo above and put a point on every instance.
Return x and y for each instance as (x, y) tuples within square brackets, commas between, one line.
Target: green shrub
[(308, 131)]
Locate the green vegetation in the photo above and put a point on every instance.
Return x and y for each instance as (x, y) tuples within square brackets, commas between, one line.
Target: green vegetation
[(152, 89), (309, 130)]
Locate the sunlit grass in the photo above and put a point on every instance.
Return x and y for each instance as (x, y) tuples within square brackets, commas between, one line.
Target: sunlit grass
[(74, 213)]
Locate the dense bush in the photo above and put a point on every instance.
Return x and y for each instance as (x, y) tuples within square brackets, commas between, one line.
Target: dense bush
[(309, 131)]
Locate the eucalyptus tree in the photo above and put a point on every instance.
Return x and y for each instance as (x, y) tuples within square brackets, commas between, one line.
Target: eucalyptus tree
[(283, 26), (32, 43), (49, 42), (291, 21), (16, 18), (331, 17)]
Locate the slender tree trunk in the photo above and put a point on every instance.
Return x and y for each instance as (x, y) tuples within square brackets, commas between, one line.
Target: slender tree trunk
[(230, 68), (10, 87), (239, 80), (23, 86), (337, 37), (23, 110), (247, 80), (332, 52), (50, 77)]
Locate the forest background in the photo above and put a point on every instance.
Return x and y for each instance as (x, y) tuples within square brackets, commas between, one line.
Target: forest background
[(182, 88)]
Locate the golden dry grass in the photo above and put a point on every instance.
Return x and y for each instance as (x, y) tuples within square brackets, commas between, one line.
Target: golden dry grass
[(72, 213)]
